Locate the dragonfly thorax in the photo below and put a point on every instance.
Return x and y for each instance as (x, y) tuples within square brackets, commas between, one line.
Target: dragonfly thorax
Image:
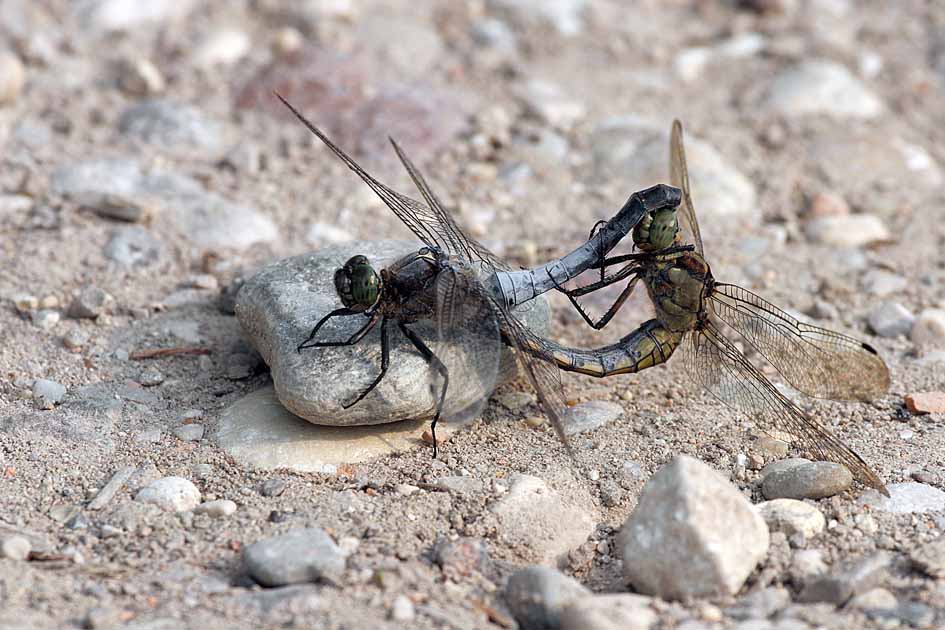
[(657, 230), (357, 284)]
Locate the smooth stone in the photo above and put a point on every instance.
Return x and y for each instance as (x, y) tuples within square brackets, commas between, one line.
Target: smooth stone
[(12, 77), (533, 516), (133, 246), (590, 415), (301, 555), (189, 432), (90, 302), (566, 16), (881, 283), (15, 548), (175, 127), (890, 319), (929, 329), (140, 77), (224, 47), (171, 494), (637, 152), (123, 15), (690, 516), (815, 480), (258, 432), (906, 498), (792, 517), (47, 394), (822, 87), (216, 509), (402, 609), (536, 596), (855, 230), (278, 307), (925, 402), (856, 577), (613, 611)]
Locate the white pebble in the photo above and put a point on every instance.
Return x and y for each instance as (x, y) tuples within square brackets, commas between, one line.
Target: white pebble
[(12, 77), (216, 509), (171, 494), (15, 548)]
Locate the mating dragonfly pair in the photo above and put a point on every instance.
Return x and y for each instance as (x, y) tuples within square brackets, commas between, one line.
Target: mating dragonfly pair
[(468, 293)]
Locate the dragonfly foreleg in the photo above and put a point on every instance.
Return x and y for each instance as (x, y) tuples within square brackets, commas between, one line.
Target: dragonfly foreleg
[(437, 365), (339, 312), (385, 358), (573, 294)]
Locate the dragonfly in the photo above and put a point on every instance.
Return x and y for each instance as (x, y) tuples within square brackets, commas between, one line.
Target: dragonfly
[(689, 302), (465, 290)]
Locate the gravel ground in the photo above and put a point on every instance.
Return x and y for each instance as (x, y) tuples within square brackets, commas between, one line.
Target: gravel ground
[(146, 168)]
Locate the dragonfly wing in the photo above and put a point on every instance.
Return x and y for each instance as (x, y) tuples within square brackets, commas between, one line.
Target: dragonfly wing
[(442, 222), (816, 361), (723, 370), (415, 215), (679, 177)]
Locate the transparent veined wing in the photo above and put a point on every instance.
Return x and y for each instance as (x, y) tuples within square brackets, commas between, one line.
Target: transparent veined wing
[(679, 177), (816, 361), (716, 364)]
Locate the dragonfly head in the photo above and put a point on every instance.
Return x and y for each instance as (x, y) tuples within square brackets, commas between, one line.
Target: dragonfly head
[(357, 284), (656, 230)]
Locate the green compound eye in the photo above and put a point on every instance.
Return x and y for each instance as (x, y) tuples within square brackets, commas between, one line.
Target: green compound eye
[(656, 231), (357, 283)]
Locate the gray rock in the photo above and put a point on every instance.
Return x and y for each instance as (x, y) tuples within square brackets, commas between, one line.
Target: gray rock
[(278, 307), (616, 611), (891, 319), (171, 494), (189, 432), (272, 487), (906, 498), (257, 431), (150, 377), (680, 539), (47, 394), (822, 87), (15, 547), (534, 516), (881, 283), (792, 517), (301, 555), (45, 318), (857, 577), (536, 596), (855, 230), (637, 152), (566, 16), (133, 246), (815, 480), (929, 329), (174, 127), (90, 302), (590, 415), (123, 15), (216, 509)]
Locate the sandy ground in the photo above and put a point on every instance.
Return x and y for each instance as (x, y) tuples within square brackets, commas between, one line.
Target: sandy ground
[(527, 174)]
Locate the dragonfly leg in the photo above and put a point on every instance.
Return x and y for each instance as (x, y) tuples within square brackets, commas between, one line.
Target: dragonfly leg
[(385, 358), (573, 294), (600, 245), (437, 365), (339, 312)]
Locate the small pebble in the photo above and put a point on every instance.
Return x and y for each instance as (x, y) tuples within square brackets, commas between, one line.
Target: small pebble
[(171, 494), (274, 487), (402, 609), (45, 319), (301, 555), (881, 283), (224, 47), (189, 432), (827, 204), (75, 339), (47, 394), (929, 329), (406, 489), (855, 230), (15, 548), (792, 517), (891, 319), (537, 595), (90, 302), (140, 77), (216, 509), (815, 480), (926, 402), (150, 377), (12, 77), (24, 303)]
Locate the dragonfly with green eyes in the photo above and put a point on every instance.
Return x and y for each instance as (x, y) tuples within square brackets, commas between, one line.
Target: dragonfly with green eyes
[(465, 291), (689, 301)]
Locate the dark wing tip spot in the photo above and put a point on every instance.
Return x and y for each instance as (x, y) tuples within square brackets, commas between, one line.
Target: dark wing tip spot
[(869, 348)]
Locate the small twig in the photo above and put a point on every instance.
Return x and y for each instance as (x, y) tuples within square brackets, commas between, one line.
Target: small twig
[(156, 353)]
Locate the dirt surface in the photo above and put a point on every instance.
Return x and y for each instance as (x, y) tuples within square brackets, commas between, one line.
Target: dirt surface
[(527, 175)]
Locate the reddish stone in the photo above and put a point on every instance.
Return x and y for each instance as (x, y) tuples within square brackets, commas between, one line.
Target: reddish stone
[(926, 402)]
